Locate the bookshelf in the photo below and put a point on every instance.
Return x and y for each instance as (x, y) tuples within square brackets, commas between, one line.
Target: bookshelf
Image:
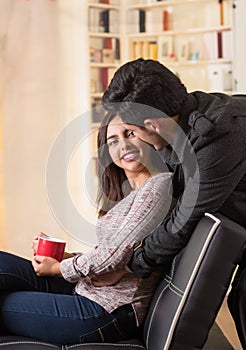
[(104, 46), (105, 29), (193, 38)]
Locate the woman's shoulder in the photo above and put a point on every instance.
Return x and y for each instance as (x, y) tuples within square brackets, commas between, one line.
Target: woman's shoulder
[(155, 187), (160, 179)]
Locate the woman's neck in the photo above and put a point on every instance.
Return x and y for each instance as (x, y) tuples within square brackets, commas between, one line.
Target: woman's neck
[(137, 180)]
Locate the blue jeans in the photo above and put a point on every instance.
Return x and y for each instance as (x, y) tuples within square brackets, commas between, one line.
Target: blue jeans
[(46, 308)]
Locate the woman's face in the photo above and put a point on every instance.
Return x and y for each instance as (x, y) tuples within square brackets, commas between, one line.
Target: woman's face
[(126, 149)]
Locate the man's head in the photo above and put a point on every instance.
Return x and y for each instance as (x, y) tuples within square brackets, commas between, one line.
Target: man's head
[(147, 82), (145, 93)]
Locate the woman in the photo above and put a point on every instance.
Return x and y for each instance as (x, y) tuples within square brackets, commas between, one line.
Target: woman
[(57, 301)]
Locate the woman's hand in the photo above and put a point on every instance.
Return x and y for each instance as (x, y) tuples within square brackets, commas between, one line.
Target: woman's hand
[(35, 242), (35, 246), (46, 266)]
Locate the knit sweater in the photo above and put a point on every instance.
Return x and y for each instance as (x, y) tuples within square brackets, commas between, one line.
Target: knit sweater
[(128, 221)]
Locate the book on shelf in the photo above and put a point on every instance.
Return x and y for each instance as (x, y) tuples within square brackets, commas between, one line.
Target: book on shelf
[(153, 50), (154, 21), (106, 76), (141, 21), (227, 40), (104, 21), (105, 50), (145, 21), (147, 49), (217, 45), (96, 110)]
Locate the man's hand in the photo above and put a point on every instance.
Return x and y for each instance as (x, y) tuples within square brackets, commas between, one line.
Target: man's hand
[(46, 266), (149, 134), (109, 278)]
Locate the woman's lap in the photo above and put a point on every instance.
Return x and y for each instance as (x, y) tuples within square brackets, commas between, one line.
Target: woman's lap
[(57, 318), (16, 273), (46, 308)]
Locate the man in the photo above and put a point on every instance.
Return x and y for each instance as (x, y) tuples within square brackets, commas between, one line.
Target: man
[(202, 139)]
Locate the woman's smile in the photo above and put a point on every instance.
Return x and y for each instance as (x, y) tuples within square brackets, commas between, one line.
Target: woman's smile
[(130, 156)]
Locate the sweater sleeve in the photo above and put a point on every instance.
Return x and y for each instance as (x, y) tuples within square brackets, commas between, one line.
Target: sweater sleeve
[(131, 219)]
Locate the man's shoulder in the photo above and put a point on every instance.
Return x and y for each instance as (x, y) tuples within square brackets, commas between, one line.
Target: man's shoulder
[(216, 113)]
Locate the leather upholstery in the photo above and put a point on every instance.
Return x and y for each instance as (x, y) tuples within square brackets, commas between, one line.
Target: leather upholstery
[(187, 300)]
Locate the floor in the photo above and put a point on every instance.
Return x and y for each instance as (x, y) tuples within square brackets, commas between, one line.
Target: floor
[(226, 324)]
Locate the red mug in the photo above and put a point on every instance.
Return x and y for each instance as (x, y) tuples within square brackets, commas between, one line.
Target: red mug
[(49, 246)]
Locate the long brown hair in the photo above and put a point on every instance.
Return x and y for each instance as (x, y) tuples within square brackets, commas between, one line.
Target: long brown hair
[(110, 177)]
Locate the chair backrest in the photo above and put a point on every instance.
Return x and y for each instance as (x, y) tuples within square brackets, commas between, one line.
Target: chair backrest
[(187, 301)]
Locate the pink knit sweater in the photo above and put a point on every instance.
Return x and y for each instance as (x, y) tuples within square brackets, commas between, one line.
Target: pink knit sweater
[(127, 222)]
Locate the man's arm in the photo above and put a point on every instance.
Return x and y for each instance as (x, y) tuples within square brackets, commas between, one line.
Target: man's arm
[(220, 167)]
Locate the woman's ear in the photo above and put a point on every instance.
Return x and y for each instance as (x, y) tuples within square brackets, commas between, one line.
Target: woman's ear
[(152, 125)]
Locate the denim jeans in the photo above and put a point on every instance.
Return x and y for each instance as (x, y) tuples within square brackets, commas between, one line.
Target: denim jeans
[(46, 308)]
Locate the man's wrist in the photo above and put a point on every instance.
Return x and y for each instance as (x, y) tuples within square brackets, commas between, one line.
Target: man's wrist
[(138, 264)]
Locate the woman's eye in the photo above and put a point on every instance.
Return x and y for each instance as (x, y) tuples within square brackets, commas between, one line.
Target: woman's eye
[(112, 143), (130, 133)]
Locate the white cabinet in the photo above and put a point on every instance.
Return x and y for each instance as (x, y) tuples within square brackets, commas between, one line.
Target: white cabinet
[(239, 57)]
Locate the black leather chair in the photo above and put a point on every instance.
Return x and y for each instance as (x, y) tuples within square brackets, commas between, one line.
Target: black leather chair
[(186, 301)]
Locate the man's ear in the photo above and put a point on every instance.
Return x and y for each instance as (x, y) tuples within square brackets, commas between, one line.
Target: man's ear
[(152, 124)]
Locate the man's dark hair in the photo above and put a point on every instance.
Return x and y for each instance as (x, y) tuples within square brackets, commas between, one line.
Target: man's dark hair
[(146, 82)]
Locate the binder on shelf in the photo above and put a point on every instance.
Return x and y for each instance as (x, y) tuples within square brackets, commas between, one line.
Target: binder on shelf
[(210, 46), (104, 20), (227, 44), (154, 21), (145, 49), (165, 20), (116, 49), (94, 20), (153, 50), (96, 111), (219, 43), (104, 79), (133, 23), (106, 76), (114, 21), (141, 21)]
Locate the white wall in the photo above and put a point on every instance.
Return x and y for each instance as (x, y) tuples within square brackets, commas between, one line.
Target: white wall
[(42, 87), (239, 46)]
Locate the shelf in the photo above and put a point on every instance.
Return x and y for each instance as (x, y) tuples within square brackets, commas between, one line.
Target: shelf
[(181, 32), (96, 94), (103, 35), (103, 65), (162, 4), (103, 6), (196, 63)]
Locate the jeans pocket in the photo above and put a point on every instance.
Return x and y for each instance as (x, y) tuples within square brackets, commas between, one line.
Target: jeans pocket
[(108, 333)]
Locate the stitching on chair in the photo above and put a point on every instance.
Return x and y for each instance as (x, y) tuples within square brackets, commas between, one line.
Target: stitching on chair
[(134, 346), (177, 288), (28, 342), (168, 279), (175, 291), (151, 318), (212, 231)]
